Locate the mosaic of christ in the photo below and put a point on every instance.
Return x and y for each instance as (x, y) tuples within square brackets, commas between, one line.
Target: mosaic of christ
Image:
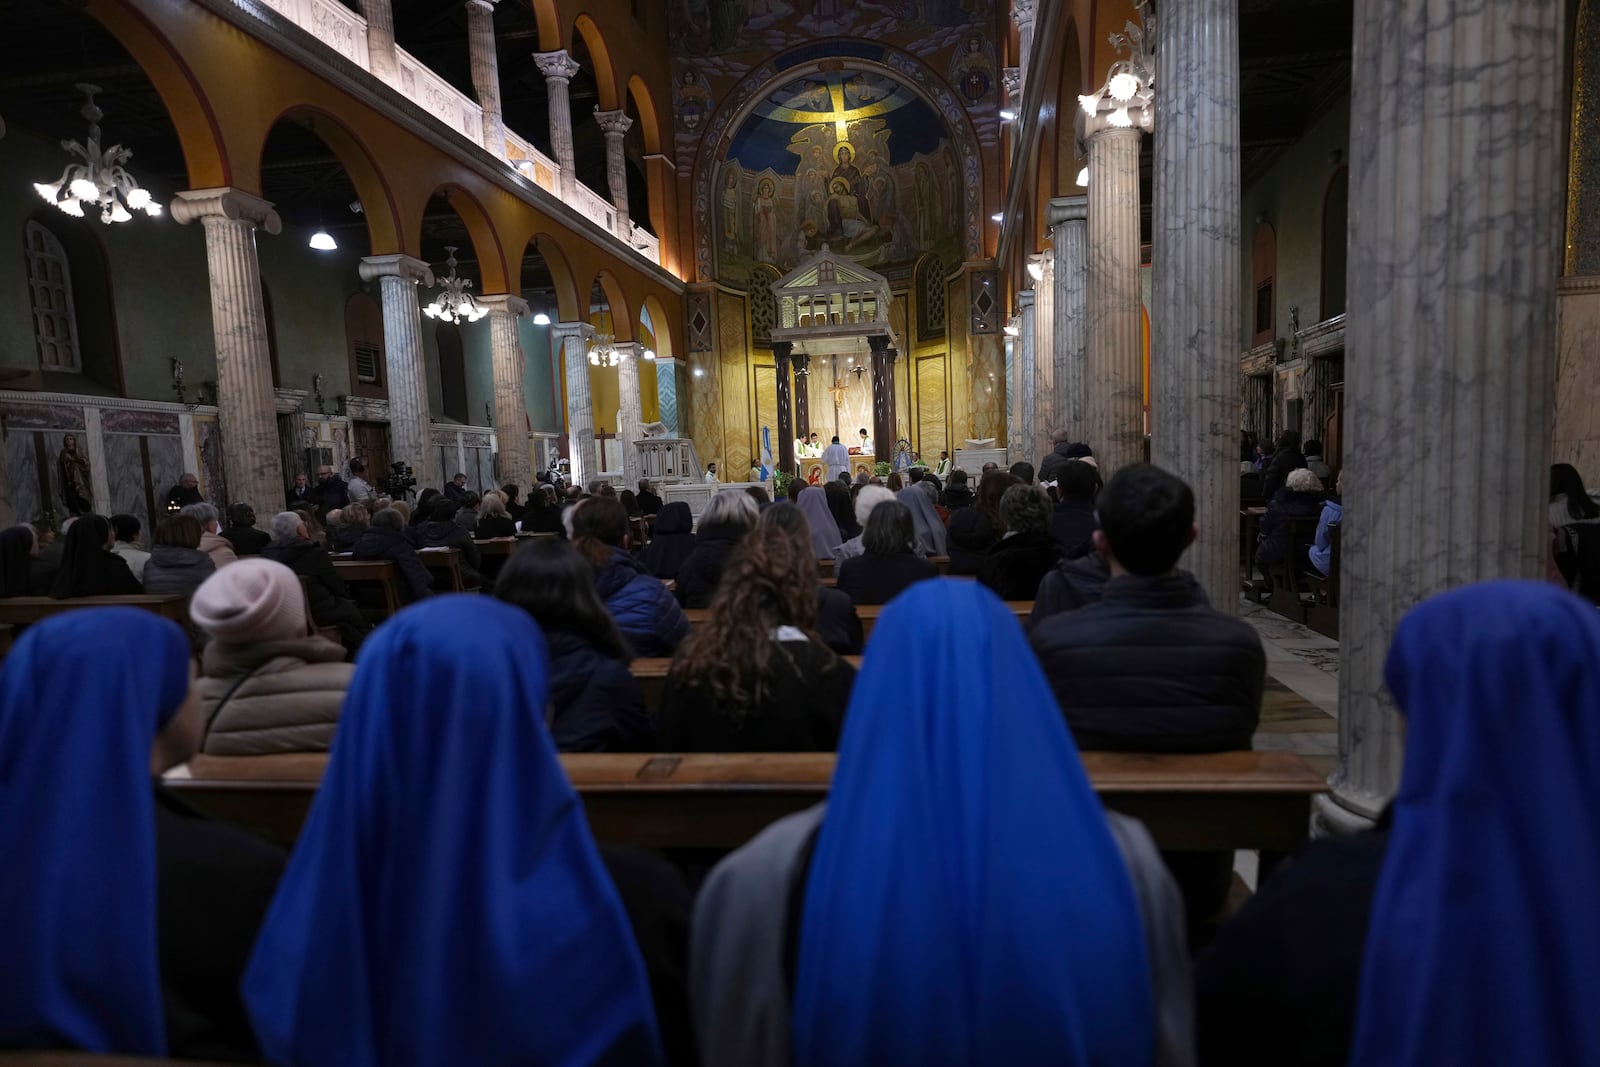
[(850, 159)]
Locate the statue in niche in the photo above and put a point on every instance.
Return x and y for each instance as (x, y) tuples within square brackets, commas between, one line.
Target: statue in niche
[(73, 464), (766, 222)]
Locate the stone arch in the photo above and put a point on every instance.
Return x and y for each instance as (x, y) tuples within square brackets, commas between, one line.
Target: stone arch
[(378, 205), (605, 73), (662, 326), (644, 106), (486, 247), (548, 21), (621, 316), (568, 305)]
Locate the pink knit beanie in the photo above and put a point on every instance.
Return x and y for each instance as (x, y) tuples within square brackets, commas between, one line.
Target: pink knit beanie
[(250, 601)]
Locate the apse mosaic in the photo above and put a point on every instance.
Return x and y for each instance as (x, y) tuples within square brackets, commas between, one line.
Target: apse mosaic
[(851, 159)]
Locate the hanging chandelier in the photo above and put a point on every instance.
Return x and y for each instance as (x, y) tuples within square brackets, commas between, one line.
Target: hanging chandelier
[(603, 353), (1127, 98), (454, 304), (100, 180)]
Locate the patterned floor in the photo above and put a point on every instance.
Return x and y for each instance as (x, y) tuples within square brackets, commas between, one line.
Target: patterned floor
[(1301, 706)]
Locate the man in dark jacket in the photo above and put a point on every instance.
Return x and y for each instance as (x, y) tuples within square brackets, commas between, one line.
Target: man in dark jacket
[(242, 533), (1287, 458), (329, 493), (649, 502), (1065, 449), (1072, 521), (455, 489), (186, 492), (441, 531), (331, 604), (385, 538), (1153, 667), (300, 495), (957, 494)]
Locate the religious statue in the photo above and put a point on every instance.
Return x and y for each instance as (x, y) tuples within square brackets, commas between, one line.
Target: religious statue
[(73, 464)]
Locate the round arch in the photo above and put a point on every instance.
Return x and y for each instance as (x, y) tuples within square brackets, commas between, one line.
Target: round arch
[(378, 205), (644, 105), (555, 260), (621, 315), (605, 73), (548, 21), (199, 132), (491, 257), (661, 326), (1069, 86)]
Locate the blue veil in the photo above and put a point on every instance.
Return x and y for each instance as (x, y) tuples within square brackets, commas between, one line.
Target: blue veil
[(966, 902), (82, 696), (445, 903), (1484, 945)]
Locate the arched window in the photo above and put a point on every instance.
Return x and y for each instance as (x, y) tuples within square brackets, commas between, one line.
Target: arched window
[(363, 335), (55, 323), (1335, 242), (1264, 268)]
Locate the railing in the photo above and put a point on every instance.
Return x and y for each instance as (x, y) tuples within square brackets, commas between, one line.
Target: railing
[(345, 32)]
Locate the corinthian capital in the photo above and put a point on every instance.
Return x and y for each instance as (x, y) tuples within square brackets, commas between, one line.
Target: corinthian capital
[(555, 65)]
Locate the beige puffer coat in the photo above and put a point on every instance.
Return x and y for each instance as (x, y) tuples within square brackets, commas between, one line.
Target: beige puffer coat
[(287, 701)]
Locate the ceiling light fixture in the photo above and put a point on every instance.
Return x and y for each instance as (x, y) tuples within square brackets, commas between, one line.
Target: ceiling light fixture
[(323, 241), (998, 216), (1127, 99), (100, 180), (541, 319), (1010, 330), (1083, 178), (603, 352), (1036, 272), (1008, 115), (454, 304), (649, 353)]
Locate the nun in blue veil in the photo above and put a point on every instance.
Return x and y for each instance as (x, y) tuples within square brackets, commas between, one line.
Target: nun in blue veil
[(963, 898), (1484, 942), (445, 903), (92, 956)]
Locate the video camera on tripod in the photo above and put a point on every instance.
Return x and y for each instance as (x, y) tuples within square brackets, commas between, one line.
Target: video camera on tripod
[(401, 481)]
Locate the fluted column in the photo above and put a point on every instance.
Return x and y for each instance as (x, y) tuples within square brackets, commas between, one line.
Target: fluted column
[(558, 69), (1044, 360), (512, 462), (631, 415), (486, 73), (615, 125), (406, 378), (785, 430), (884, 429), (381, 58), (802, 399), (1067, 217), (1450, 336), (574, 338), (1027, 426), (1022, 13), (1113, 301), (246, 405), (669, 391)]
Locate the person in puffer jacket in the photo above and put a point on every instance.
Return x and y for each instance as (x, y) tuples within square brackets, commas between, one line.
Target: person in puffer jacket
[(642, 606)]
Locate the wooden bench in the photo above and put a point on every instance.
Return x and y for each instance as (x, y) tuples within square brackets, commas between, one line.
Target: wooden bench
[(446, 561), (379, 572), (869, 613), (828, 567), (652, 676), (1249, 800), (1322, 614), (26, 610)]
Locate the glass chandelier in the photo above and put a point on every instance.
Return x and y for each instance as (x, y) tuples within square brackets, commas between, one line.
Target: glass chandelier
[(100, 180), (1127, 98), (454, 304), (603, 353)]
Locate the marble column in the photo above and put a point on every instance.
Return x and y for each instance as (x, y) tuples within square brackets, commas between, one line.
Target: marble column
[(1044, 360), (630, 428), (574, 339), (884, 429), (615, 125), (512, 461), (1027, 426), (381, 58), (486, 73), (669, 393), (1113, 302), (1450, 336), (406, 371), (251, 459), (558, 69), (1022, 14), (802, 390), (1067, 217), (1195, 332), (780, 357)]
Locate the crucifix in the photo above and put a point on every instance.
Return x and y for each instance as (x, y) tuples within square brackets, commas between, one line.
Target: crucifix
[(838, 389)]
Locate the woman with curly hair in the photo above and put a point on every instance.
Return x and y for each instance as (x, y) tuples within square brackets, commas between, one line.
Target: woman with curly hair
[(755, 676)]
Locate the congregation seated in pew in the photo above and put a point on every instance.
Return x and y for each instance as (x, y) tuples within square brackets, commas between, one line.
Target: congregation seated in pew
[(88, 566), (641, 605), (1027, 551), (385, 539), (838, 624), (441, 530), (176, 564), (867, 497), (241, 531), (22, 571), (129, 532), (724, 523), (671, 541), (331, 604), (889, 563)]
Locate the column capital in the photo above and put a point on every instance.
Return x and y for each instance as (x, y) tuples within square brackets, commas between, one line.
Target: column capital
[(878, 342), (227, 203), (1023, 11), (1066, 209), (613, 123), (1024, 300), (504, 303), (782, 349), (410, 268), (557, 65), (1011, 79), (487, 5), (563, 331), (668, 361)]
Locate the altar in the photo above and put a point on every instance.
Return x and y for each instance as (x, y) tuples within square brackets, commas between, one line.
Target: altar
[(815, 472)]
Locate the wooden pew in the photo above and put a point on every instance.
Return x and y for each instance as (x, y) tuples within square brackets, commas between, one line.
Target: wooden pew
[(379, 572), (869, 614), (828, 567), (1250, 800), (500, 546), (652, 677), (25, 610), (447, 560), (1322, 615)]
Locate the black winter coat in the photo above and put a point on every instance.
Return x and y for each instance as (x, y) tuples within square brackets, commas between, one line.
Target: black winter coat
[(1154, 668), (702, 570), (874, 579), (1016, 565), (247, 540), (599, 706), (380, 542), (1072, 524), (837, 622), (448, 535), (1284, 460), (331, 494), (808, 691), (970, 536), (1272, 543), (330, 597)]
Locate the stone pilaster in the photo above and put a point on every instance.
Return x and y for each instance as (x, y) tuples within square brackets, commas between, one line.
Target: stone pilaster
[(558, 68), (669, 394), (381, 58), (574, 339), (251, 458), (512, 461), (486, 73), (1450, 337), (785, 429), (615, 126), (631, 414), (406, 371), (884, 431), (1113, 302), (1044, 359), (1027, 425), (1067, 217), (1195, 343)]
